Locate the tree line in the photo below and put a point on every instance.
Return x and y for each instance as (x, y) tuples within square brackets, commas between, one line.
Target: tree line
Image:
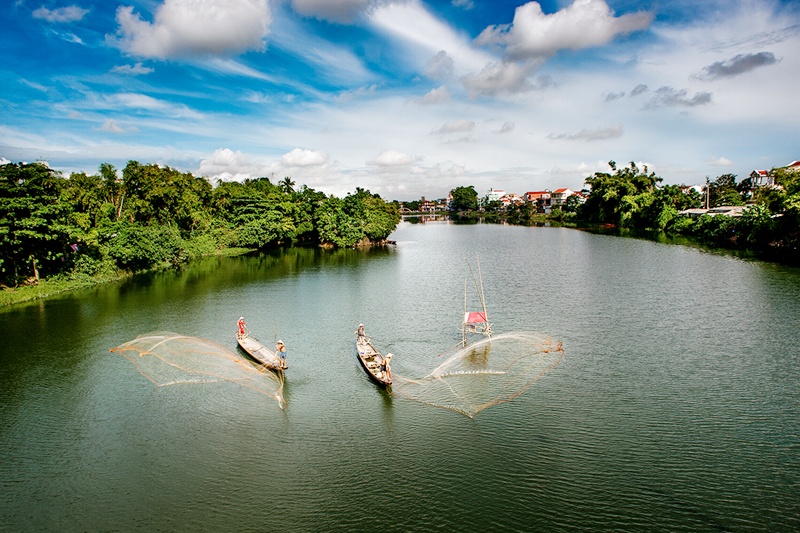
[(633, 198), (154, 214)]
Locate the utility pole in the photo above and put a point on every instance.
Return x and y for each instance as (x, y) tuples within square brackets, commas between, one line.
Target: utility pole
[(708, 194)]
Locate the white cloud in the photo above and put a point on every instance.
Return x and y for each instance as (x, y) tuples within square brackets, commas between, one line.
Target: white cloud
[(507, 127), (440, 95), (112, 126), (440, 67), (498, 78), (304, 158), (598, 134), (132, 70), (720, 162), (583, 24), (423, 35), (342, 11), (148, 103), (456, 126), (61, 14), (184, 28), (391, 158), (226, 165)]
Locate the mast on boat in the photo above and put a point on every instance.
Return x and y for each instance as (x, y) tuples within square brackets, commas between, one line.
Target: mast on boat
[(475, 322)]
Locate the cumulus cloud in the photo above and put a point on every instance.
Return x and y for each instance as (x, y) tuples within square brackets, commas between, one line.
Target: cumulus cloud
[(132, 70), (183, 28), (599, 134), (457, 126), (670, 97), (737, 65), (304, 158), (61, 14), (341, 11), (583, 24), (440, 95), (391, 158), (441, 66), (225, 164), (507, 127), (501, 77), (639, 89)]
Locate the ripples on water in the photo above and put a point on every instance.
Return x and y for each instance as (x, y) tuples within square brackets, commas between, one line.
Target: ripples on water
[(675, 406)]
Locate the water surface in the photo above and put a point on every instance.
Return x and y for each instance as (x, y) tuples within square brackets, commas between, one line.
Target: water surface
[(676, 406)]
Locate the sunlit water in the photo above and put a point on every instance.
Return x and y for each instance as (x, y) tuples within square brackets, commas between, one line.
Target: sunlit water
[(676, 406)]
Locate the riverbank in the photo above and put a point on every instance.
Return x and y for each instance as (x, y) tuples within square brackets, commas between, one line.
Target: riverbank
[(63, 283)]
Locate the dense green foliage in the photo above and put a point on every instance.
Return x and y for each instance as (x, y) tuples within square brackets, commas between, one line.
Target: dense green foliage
[(85, 225), (631, 198), (464, 199)]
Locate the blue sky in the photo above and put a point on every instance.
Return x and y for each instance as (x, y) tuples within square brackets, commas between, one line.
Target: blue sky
[(406, 98)]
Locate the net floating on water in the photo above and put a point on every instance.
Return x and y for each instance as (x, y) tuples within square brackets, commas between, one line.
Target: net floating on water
[(168, 358), (485, 373)]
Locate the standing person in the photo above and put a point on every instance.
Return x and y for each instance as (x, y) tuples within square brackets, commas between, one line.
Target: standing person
[(387, 372), (241, 326), (280, 350), (360, 331)]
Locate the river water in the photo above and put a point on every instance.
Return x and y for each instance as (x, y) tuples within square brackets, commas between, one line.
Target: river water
[(676, 406)]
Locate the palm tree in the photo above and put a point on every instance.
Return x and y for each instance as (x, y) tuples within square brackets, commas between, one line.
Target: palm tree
[(287, 185)]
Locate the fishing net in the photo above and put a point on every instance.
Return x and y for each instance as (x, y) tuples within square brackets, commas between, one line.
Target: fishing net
[(485, 373), (167, 358)]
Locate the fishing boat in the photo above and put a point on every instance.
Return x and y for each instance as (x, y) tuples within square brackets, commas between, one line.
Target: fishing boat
[(475, 321), (255, 349), (375, 365)]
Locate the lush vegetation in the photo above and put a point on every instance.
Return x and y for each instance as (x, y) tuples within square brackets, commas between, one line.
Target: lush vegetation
[(100, 225), (632, 198)]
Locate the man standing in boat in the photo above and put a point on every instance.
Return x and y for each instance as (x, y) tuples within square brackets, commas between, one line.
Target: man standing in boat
[(360, 331), (240, 325), (280, 350)]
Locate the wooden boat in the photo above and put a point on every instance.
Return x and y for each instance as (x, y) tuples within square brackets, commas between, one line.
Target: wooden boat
[(375, 365), (259, 352)]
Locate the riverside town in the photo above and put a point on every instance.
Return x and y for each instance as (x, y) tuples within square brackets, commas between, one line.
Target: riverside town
[(83, 229)]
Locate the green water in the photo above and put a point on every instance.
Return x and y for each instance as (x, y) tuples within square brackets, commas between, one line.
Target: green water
[(676, 406)]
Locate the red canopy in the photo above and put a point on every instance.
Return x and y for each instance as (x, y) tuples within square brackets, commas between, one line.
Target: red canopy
[(474, 318)]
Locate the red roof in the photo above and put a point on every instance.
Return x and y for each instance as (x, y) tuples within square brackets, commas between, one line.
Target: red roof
[(562, 190)]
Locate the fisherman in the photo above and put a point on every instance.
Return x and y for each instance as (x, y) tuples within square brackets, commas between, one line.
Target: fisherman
[(360, 331), (280, 350), (385, 365), (240, 325)]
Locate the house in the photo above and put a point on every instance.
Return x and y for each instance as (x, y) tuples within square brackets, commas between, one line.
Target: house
[(538, 197), (559, 196), (510, 199), (495, 195), (762, 178)]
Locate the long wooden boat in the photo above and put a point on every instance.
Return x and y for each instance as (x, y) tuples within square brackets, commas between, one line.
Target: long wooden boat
[(374, 364), (259, 352)]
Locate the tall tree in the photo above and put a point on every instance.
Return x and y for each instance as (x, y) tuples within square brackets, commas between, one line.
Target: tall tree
[(464, 199)]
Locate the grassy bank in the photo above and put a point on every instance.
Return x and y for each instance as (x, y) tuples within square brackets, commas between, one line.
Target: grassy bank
[(63, 283)]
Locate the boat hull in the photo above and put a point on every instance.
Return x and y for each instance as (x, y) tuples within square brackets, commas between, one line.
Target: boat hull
[(372, 361), (259, 352)]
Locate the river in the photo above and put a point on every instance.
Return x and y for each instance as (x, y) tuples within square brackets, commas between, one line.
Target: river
[(676, 406)]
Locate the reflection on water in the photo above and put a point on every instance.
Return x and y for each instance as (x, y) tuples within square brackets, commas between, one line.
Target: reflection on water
[(675, 405)]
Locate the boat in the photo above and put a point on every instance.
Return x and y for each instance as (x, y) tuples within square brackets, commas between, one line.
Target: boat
[(256, 350), (475, 321), (375, 365)]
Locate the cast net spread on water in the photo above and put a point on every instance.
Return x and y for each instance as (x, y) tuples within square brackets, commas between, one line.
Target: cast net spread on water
[(485, 373), (167, 358)]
